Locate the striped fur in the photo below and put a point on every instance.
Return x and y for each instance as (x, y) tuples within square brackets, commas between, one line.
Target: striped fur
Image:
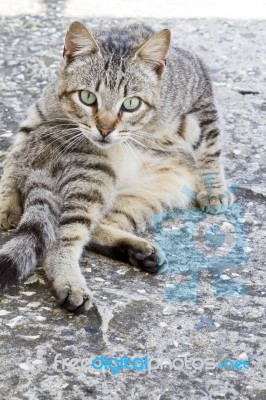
[(66, 186), (36, 230)]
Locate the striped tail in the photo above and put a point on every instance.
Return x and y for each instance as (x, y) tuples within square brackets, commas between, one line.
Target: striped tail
[(36, 231)]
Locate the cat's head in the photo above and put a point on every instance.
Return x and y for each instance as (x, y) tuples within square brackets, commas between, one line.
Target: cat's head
[(110, 85)]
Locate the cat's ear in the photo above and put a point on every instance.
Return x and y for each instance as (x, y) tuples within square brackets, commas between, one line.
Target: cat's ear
[(79, 41), (154, 50)]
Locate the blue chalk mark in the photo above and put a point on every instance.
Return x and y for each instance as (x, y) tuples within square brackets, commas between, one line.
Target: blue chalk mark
[(185, 256)]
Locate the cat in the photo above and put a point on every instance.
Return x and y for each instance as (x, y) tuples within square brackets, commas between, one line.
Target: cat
[(129, 122)]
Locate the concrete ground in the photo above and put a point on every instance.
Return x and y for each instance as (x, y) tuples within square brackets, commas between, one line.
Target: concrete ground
[(134, 314)]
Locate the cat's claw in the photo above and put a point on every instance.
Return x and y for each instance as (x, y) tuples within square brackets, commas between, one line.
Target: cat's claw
[(74, 297), (216, 203), (152, 262)]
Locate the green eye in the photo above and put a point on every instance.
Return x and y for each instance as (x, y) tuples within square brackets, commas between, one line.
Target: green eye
[(87, 97), (131, 104)]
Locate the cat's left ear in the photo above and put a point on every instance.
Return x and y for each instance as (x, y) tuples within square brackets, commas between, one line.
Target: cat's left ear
[(79, 41), (154, 50)]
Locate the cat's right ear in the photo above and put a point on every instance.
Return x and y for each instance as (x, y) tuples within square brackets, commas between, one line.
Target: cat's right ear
[(79, 41)]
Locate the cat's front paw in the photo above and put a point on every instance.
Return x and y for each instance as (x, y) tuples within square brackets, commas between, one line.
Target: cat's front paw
[(217, 202), (10, 213), (73, 296)]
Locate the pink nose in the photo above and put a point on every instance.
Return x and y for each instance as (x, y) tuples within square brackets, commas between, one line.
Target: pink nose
[(104, 131)]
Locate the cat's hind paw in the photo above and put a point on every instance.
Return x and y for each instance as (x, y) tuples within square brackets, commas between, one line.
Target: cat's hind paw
[(153, 262)]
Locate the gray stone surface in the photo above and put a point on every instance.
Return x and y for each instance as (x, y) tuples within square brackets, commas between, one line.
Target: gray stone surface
[(131, 315)]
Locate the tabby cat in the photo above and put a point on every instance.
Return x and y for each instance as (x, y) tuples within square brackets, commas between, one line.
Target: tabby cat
[(128, 123)]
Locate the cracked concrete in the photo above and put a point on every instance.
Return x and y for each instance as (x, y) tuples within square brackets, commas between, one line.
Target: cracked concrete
[(131, 314)]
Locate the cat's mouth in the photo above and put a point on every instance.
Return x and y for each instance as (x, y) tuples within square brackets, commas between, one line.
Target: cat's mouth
[(102, 143)]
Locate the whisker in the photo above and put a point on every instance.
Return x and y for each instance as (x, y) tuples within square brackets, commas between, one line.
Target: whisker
[(70, 142), (140, 157), (153, 150), (132, 149), (56, 139), (64, 146), (147, 148), (68, 135)]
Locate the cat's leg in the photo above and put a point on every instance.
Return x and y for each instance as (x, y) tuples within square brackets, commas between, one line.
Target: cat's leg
[(10, 204), (213, 194), (10, 198), (112, 240), (61, 264), (86, 194), (133, 211)]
